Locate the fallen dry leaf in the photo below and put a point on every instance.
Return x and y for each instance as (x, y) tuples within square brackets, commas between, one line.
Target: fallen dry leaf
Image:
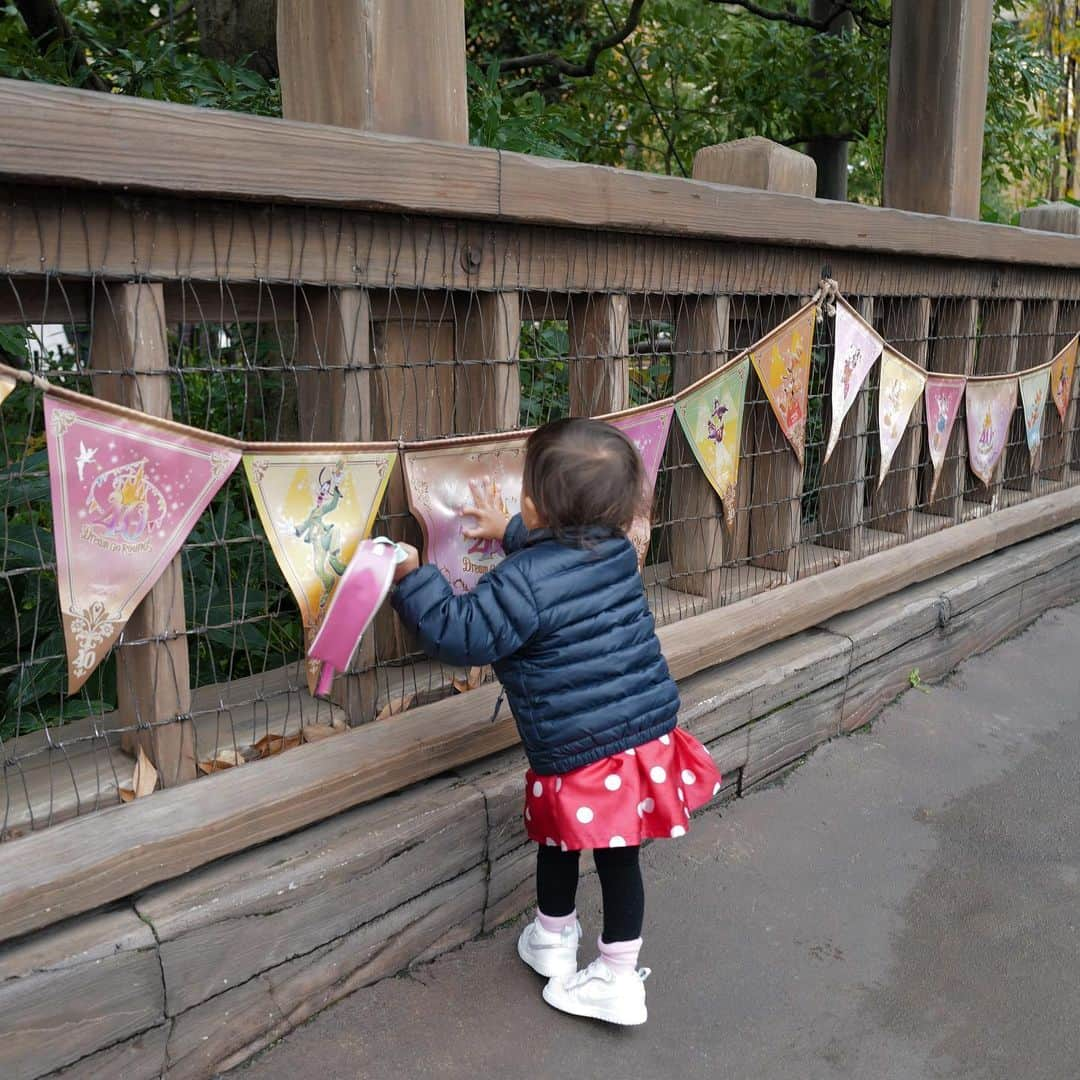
[(318, 732), (398, 705), (269, 745), (223, 759), (473, 678), (338, 723), (143, 780)]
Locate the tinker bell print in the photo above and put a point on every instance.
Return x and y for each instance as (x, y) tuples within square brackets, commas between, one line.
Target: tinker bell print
[(133, 506), (986, 439), (320, 534), (716, 422)]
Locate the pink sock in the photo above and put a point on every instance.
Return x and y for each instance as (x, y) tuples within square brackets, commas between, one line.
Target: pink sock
[(620, 956), (555, 924)]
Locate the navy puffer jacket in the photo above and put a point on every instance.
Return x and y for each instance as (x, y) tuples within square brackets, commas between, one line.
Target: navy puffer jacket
[(569, 633)]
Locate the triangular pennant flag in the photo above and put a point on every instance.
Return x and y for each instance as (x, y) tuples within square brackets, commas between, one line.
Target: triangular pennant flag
[(316, 506), (711, 415), (1034, 390), (125, 495), (901, 384), (857, 347), (7, 384), (782, 361), (437, 483), (943, 396), (990, 406), (647, 429), (1062, 369)]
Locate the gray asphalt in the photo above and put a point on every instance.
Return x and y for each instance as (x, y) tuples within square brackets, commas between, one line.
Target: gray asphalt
[(904, 905)]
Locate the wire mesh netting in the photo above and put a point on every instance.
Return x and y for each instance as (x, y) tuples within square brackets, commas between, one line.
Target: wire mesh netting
[(285, 357)]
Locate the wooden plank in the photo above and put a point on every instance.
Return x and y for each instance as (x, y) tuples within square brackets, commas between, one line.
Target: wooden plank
[(696, 529), (1038, 324), (937, 105), (843, 477), (341, 63), (952, 351), (487, 390), (129, 362), (75, 990), (998, 352), (599, 363), (84, 863), (139, 1058), (227, 923), (57, 135), (905, 324)]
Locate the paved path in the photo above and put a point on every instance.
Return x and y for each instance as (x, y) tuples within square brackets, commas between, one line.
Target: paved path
[(906, 905)]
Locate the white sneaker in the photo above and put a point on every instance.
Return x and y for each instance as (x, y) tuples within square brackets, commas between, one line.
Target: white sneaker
[(548, 954), (601, 993)]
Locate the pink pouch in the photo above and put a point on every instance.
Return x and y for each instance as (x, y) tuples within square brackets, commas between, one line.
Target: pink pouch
[(358, 595)]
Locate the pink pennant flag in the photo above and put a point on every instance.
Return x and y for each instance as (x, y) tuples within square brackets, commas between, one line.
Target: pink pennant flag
[(857, 347), (990, 406), (943, 396), (437, 482), (647, 429), (125, 495)]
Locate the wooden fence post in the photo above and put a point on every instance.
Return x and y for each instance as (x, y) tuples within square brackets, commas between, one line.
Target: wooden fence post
[(938, 64), (129, 359), (696, 532), (487, 390), (1061, 441), (768, 522), (398, 68), (599, 327)]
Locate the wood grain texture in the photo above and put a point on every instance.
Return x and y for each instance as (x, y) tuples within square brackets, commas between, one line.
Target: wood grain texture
[(139, 1058), (84, 863), (59, 136), (487, 388), (599, 360), (74, 990), (129, 363)]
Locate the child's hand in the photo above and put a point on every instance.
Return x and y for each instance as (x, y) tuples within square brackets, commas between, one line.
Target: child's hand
[(489, 511), (410, 563)]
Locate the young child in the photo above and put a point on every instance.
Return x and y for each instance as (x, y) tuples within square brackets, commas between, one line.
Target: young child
[(564, 620)]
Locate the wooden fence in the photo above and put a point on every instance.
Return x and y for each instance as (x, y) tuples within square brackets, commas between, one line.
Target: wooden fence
[(277, 280)]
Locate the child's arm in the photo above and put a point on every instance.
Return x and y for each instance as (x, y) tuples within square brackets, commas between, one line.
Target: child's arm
[(480, 627)]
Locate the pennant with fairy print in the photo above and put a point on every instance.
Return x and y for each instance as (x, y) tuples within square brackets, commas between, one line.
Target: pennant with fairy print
[(126, 493), (647, 428), (1034, 390), (711, 416), (858, 345), (990, 407), (782, 362), (1062, 369), (316, 506), (437, 482), (7, 384), (943, 394), (902, 383)]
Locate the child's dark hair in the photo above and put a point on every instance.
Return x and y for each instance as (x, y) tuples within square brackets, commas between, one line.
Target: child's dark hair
[(583, 472)]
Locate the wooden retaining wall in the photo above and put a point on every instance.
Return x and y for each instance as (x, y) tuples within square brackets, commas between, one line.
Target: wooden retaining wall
[(192, 976)]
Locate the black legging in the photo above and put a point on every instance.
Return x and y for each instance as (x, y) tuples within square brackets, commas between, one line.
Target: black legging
[(620, 885)]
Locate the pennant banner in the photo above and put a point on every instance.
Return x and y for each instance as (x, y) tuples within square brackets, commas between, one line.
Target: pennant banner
[(943, 396), (1062, 369), (7, 384), (782, 361), (437, 483), (125, 493), (990, 406), (1034, 390), (316, 507), (711, 418), (648, 430), (901, 385), (857, 347)]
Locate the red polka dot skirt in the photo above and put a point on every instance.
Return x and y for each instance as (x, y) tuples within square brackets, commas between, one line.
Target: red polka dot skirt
[(647, 792)]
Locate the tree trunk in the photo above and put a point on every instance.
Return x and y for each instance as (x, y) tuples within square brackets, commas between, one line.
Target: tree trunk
[(231, 30), (830, 155)]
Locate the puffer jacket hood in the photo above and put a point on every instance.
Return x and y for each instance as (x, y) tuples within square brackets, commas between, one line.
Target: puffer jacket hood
[(565, 624)]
